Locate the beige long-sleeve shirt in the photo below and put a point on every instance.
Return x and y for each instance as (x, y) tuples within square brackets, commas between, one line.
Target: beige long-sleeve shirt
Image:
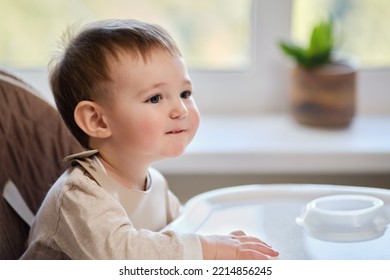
[(80, 219)]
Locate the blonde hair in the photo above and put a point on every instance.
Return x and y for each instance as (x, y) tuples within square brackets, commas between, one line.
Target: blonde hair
[(82, 71)]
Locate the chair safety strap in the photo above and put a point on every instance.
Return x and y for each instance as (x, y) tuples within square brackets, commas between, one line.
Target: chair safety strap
[(16, 201)]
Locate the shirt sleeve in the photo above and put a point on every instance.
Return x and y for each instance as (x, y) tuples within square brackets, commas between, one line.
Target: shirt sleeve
[(192, 248), (92, 225)]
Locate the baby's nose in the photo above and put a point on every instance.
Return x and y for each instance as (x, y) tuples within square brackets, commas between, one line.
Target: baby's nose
[(179, 110)]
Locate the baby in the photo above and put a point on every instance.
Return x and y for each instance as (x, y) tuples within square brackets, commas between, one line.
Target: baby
[(123, 90)]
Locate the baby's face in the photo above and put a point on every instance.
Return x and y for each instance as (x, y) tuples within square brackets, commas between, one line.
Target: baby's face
[(153, 114)]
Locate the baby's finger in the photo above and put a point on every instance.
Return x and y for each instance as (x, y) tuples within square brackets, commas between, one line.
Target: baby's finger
[(260, 248), (246, 238), (238, 233), (251, 255)]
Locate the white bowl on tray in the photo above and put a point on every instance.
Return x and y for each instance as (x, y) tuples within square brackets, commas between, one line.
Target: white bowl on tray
[(344, 218)]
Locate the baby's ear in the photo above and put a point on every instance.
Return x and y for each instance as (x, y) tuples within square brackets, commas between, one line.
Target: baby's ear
[(90, 118)]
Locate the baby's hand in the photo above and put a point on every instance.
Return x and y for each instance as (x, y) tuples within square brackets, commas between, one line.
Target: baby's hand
[(236, 246)]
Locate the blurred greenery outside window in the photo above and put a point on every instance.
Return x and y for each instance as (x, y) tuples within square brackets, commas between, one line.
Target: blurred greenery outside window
[(362, 27), (212, 35), (230, 46)]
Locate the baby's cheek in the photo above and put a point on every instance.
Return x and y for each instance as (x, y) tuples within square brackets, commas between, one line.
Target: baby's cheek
[(192, 109), (150, 127), (195, 120)]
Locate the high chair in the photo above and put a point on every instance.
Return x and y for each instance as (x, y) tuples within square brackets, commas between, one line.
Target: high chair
[(33, 142)]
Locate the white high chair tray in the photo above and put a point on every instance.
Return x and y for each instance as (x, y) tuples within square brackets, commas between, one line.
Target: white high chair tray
[(270, 211)]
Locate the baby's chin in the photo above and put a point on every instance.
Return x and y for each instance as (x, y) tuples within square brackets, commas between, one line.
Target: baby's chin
[(174, 153)]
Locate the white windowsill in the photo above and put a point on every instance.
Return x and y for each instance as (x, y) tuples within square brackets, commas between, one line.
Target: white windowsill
[(276, 144)]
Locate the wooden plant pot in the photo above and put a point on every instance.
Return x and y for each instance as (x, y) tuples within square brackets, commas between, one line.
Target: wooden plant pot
[(324, 96)]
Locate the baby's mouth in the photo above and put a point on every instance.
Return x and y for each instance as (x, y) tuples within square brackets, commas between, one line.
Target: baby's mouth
[(175, 131)]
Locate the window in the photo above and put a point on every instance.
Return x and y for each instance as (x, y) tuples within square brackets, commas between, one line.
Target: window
[(211, 34), (362, 27), (251, 79)]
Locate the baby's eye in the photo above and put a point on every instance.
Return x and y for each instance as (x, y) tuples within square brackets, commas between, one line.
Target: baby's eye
[(154, 99), (185, 94)]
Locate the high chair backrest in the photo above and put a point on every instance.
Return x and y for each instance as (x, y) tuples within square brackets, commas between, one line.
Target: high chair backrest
[(33, 142)]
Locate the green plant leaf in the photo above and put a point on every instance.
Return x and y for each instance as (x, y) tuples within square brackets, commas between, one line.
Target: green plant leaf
[(299, 54), (321, 41), (319, 50)]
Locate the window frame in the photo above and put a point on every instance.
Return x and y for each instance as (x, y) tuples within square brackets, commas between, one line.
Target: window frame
[(263, 88)]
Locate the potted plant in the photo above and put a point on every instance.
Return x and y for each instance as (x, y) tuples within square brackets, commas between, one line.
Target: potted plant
[(322, 91)]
